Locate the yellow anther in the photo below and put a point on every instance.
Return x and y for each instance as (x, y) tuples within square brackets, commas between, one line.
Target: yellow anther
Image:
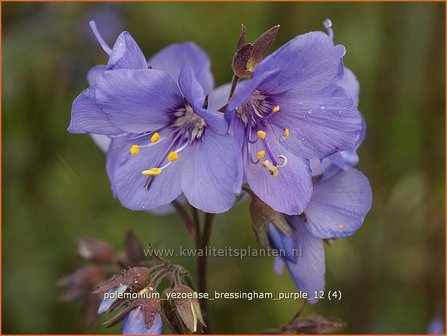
[(172, 156), (261, 134), (276, 109), (341, 226), (151, 172), (286, 132), (134, 149), (264, 164), (273, 171), (155, 137), (260, 154)]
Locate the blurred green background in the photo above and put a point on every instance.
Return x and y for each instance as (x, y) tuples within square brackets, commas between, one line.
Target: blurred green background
[(55, 189)]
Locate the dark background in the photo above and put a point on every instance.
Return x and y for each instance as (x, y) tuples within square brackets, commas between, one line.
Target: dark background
[(55, 189)]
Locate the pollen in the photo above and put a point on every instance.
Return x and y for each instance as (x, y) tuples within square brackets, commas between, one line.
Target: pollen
[(134, 149), (264, 164), (286, 132), (273, 171), (341, 226), (261, 134), (260, 154), (276, 109), (173, 156), (151, 172), (155, 137)]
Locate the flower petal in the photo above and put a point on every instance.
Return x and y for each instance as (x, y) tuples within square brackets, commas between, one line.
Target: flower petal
[(218, 97), (87, 116), (282, 243), (177, 56), (339, 205), (133, 324), (209, 173), (95, 73), (308, 63), (308, 271), (290, 191), (351, 85), (320, 124), (102, 141), (126, 54), (128, 182), (138, 100), (278, 265)]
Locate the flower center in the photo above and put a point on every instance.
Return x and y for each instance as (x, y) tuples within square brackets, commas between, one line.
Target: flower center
[(256, 115), (186, 128)]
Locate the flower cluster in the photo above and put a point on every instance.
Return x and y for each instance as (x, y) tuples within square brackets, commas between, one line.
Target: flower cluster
[(132, 289), (287, 134)]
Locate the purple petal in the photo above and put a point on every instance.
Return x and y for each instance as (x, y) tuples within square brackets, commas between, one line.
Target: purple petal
[(351, 85), (107, 303), (127, 180), (245, 89), (219, 97), (126, 54), (102, 141), (278, 265), (290, 191), (209, 173), (308, 271), (308, 63), (95, 73), (138, 100), (133, 324), (339, 205), (87, 116), (320, 124), (177, 56), (282, 243)]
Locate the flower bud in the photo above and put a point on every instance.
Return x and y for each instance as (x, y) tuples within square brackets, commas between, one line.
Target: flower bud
[(81, 282), (187, 307), (262, 215), (95, 250)]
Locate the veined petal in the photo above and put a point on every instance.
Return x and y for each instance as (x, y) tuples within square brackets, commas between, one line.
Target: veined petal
[(177, 56), (308, 63), (339, 205), (138, 100), (87, 116), (209, 173), (290, 191), (308, 271), (126, 54), (321, 124), (195, 96), (245, 89), (128, 182)]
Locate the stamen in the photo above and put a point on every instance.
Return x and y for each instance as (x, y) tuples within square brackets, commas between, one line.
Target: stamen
[(328, 25), (276, 109), (264, 163), (173, 156), (284, 161), (151, 172), (260, 154), (155, 137), (98, 36), (261, 134), (286, 132), (134, 149)]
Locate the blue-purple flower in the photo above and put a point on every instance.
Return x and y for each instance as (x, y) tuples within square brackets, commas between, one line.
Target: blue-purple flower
[(292, 109), (143, 319), (164, 140)]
